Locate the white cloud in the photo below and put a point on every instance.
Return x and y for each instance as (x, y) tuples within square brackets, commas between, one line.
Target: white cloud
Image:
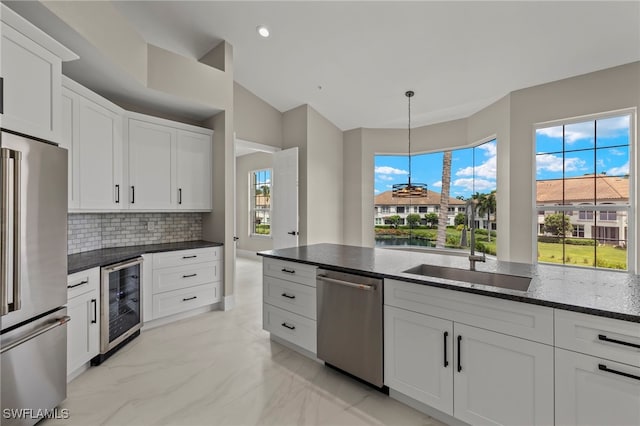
[(480, 184), (376, 191), (386, 170), (601, 163), (572, 132), (389, 186), (385, 177), (490, 149), (437, 184), (488, 169), (622, 170), (553, 163), (613, 126)]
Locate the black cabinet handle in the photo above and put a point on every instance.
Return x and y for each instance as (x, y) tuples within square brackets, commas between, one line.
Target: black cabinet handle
[(133, 194), (288, 296), (117, 194), (619, 373), (179, 195), (288, 271), (619, 342), (189, 298), (446, 363), (189, 257), (292, 233), (290, 327), (79, 284), (189, 276), (95, 311), (459, 361)]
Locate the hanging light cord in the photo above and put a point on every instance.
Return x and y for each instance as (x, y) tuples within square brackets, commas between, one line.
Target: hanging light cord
[(409, 131)]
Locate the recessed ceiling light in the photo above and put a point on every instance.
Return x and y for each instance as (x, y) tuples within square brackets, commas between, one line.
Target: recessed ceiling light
[(263, 31)]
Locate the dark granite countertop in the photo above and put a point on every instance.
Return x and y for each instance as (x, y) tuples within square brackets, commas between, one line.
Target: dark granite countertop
[(598, 292), (107, 256)]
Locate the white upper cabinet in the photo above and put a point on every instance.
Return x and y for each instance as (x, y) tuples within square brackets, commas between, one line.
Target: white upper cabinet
[(169, 165), (100, 155), (31, 68), (151, 172), (194, 170), (92, 132)]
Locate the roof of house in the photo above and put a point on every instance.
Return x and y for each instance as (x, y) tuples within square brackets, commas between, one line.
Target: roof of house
[(583, 189), (432, 199)]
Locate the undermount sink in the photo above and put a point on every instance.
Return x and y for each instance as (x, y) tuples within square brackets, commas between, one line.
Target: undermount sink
[(512, 282)]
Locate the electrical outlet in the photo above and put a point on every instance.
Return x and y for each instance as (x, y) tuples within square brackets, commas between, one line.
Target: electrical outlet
[(150, 226)]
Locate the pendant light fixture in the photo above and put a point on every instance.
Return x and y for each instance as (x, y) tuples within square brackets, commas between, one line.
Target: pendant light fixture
[(409, 190)]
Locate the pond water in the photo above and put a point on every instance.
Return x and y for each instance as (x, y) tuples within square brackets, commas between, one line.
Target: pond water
[(403, 241)]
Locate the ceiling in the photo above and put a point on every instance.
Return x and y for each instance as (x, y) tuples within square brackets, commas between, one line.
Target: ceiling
[(353, 61)]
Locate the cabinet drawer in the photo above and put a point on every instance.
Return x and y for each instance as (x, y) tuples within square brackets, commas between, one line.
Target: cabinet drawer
[(83, 282), (291, 327), (186, 257), (523, 320), (290, 271), (294, 297), (173, 302), (167, 279), (602, 337)]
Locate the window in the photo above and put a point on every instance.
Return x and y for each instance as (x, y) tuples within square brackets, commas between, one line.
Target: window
[(582, 189), (472, 174), (260, 202), (400, 209), (578, 231)]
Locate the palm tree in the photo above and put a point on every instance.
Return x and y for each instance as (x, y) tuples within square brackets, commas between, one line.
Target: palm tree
[(266, 191), (486, 206), (444, 200)]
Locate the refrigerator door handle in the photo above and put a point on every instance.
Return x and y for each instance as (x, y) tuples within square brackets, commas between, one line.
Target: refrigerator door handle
[(5, 154), (17, 236), (16, 156), (57, 323)]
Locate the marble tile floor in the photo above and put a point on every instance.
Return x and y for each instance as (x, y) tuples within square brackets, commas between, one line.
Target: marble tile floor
[(221, 368)]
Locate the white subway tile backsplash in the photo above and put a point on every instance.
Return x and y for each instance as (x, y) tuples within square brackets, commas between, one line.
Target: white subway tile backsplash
[(92, 231)]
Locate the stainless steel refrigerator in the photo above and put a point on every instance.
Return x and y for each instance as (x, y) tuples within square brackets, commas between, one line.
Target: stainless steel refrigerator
[(33, 275)]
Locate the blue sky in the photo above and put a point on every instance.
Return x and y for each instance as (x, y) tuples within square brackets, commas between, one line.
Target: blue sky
[(611, 155), (467, 177)]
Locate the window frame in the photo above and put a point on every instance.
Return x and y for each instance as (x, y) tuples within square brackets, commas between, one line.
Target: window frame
[(630, 209), (252, 207)]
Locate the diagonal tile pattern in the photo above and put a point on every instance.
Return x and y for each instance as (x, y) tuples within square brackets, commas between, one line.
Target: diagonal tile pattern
[(220, 368)]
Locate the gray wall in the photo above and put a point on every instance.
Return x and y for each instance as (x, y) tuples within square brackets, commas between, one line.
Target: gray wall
[(245, 165), (324, 180), (511, 120), (254, 119)]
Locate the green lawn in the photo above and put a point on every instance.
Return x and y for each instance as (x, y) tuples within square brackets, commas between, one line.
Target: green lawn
[(608, 257), (263, 229)]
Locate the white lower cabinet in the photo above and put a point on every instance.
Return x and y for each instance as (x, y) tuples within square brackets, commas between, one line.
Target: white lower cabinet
[(500, 379), (83, 306), (182, 281), (595, 391), (418, 357), (478, 376)]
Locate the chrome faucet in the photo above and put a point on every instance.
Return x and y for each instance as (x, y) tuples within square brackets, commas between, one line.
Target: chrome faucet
[(473, 258)]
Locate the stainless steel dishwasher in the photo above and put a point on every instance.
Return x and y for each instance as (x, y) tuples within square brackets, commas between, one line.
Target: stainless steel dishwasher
[(350, 324)]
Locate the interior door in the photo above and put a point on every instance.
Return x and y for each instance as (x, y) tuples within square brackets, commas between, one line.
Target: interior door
[(284, 199)]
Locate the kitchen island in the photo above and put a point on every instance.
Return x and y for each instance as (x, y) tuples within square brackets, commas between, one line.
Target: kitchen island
[(469, 353)]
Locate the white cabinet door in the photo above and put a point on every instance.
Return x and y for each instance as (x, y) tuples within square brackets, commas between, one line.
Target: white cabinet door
[(69, 140), (194, 171), (151, 166), (100, 157), (83, 332), (418, 357), (591, 391), (501, 380), (32, 82)]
